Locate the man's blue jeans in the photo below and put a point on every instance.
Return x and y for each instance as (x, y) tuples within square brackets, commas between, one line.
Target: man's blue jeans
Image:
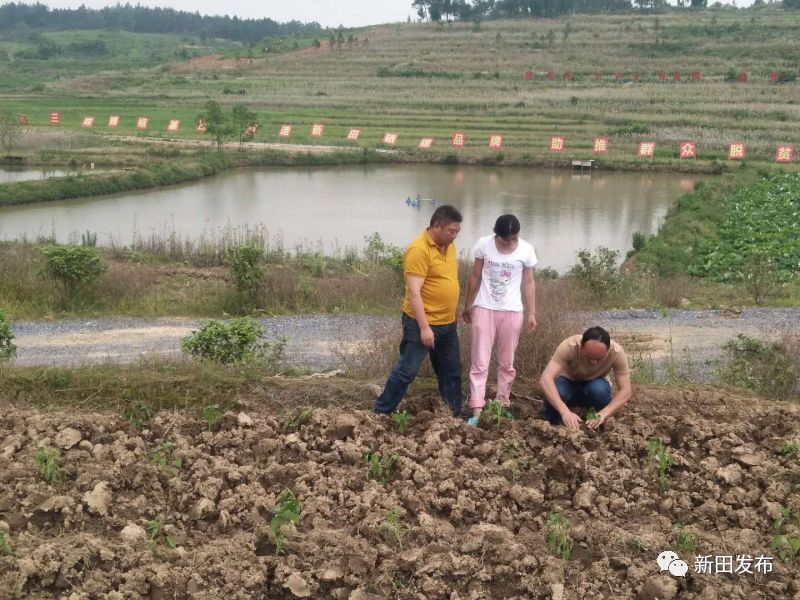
[(595, 393), (445, 359)]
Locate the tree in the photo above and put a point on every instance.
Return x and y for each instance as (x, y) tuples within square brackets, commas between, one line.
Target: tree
[(10, 132), (217, 124), (243, 123), (794, 4)]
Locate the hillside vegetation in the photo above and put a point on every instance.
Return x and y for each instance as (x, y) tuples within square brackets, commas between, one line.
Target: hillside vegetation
[(432, 79)]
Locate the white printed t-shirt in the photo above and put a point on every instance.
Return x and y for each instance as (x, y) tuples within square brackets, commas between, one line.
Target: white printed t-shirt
[(502, 274)]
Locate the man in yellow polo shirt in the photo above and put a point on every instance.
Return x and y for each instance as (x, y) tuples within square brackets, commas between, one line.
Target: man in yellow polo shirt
[(430, 267)]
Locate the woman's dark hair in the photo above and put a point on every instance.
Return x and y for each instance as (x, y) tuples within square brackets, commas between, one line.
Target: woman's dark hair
[(444, 215), (596, 333), (506, 225)]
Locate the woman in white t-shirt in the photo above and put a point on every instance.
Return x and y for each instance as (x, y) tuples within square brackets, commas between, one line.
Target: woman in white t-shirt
[(501, 275)]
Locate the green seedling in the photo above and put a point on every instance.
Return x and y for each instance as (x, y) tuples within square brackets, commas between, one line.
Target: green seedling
[(636, 544), (685, 540), (787, 546), (497, 412), (158, 535), (211, 414), (393, 528), (380, 468), (558, 536), (512, 458), (792, 450), (295, 423), (401, 420), (287, 510), (591, 414), (660, 455), (5, 546), (165, 458), (138, 415), (786, 516), (47, 463)]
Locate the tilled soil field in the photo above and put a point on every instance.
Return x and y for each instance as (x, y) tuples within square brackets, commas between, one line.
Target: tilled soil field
[(463, 515)]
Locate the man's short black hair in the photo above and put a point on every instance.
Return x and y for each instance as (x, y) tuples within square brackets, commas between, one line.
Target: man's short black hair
[(444, 215), (506, 225), (596, 333)]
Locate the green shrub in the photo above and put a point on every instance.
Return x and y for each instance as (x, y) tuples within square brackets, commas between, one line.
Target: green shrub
[(7, 347), (379, 252), (247, 270), (558, 539), (47, 465), (233, 342), (74, 268), (597, 271), (287, 510), (765, 368)]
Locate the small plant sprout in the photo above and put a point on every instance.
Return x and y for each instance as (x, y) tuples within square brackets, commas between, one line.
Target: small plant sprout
[(47, 464), (659, 455), (591, 414), (166, 460), (294, 423), (138, 414), (497, 412), (287, 510), (791, 450), (685, 540), (787, 546), (512, 458), (558, 536), (5, 546), (380, 468), (393, 529), (785, 516), (401, 420), (157, 534), (211, 414)]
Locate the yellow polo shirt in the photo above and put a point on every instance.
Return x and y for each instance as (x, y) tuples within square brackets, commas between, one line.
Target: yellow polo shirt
[(440, 289)]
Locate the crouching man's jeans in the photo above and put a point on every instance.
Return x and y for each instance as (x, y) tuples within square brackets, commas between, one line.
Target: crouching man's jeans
[(595, 393)]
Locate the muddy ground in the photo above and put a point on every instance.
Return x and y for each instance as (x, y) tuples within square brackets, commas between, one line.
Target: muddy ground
[(474, 503)]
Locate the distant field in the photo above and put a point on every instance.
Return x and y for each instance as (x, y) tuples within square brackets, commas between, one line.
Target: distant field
[(430, 80)]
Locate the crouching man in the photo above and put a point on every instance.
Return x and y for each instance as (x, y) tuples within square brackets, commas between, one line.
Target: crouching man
[(576, 376)]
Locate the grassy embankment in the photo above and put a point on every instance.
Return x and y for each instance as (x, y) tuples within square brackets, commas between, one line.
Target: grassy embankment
[(432, 80)]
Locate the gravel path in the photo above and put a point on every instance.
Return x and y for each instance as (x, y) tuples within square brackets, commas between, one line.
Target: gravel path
[(691, 338)]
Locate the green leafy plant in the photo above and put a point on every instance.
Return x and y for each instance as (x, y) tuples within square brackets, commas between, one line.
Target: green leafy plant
[(138, 414), (597, 271), (791, 450), (513, 459), (74, 268), (47, 464), (496, 412), (165, 458), (158, 535), (287, 510), (591, 414), (7, 348), (5, 545), (401, 419), (393, 528), (233, 342), (685, 540), (787, 546), (381, 468), (785, 516), (211, 414), (294, 422), (558, 539), (660, 456), (247, 269)]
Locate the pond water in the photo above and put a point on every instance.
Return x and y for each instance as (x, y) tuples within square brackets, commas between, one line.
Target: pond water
[(332, 208)]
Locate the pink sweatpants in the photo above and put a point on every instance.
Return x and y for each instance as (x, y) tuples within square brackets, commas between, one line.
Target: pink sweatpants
[(488, 327)]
